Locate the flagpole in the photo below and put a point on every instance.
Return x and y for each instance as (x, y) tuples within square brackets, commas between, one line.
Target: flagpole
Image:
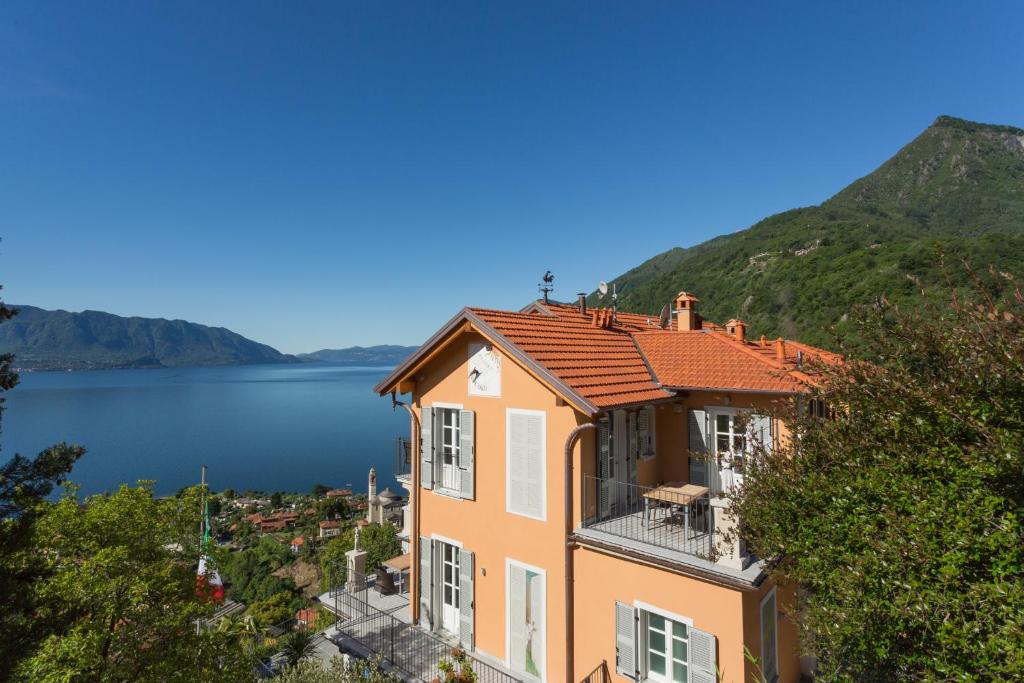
[(202, 508)]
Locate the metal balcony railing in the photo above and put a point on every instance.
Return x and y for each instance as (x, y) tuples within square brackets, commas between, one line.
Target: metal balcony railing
[(648, 515), (403, 458)]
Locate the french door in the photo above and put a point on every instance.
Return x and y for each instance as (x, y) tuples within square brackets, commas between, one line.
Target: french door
[(450, 588)]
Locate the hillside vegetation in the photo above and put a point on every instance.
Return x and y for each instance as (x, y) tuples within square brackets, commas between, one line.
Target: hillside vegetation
[(957, 189), (46, 340)]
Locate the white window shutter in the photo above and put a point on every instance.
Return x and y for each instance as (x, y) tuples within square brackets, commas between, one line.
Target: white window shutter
[(426, 582), (645, 431), (625, 641), (466, 598), (526, 494), (604, 449), (761, 429), (703, 657), (426, 447), (697, 421), (467, 454)]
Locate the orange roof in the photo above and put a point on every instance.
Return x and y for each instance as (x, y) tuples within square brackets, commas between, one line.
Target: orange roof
[(598, 363), (330, 524), (298, 540)]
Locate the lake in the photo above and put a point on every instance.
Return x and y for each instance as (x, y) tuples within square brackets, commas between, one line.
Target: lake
[(260, 427)]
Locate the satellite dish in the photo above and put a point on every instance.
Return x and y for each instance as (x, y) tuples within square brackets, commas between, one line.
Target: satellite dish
[(666, 317), (602, 288)]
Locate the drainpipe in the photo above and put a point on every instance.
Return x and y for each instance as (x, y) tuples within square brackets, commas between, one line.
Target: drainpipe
[(570, 443), (414, 494)]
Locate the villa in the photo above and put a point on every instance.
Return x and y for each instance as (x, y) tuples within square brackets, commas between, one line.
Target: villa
[(569, 492)]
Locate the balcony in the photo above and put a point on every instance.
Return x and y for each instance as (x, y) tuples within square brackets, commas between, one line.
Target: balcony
[(655, 516), (679, 524), (403, 460)]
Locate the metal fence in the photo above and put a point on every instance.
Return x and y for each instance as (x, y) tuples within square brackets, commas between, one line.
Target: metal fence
[(411, 650), (598, 675), (648, 515)]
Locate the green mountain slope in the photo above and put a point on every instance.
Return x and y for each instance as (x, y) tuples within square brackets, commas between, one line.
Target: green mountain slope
[(957, 188), (46, 340)]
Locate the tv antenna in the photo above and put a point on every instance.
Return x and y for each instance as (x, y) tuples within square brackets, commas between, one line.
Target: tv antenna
[(547, 286), (666, 317), (602, 291)]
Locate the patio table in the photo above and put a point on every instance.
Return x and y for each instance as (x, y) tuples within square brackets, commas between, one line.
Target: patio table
[(675, 495)]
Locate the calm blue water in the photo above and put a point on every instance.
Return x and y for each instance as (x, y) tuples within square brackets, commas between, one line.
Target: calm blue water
[(265, 427)]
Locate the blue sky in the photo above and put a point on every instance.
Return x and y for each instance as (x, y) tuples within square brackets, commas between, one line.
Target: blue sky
[(325, 174)]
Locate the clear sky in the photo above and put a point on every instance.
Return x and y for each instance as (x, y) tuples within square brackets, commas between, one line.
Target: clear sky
[(325, 174)]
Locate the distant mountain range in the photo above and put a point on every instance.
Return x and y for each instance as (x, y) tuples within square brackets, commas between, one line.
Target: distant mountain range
[(958, 189), (52, 340), (61, 340), (382, 355)]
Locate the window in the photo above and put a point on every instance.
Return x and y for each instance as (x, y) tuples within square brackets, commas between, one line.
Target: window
[(654, 645), (527, 623), (525, 461), (666, 648), (769, 643), (449, 428), (730, 437), (449, 588)]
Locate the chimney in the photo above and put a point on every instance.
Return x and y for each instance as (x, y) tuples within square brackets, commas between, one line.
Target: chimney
[(780, 350), (686, 311), (738, 329), (583, 302), (764, 342)]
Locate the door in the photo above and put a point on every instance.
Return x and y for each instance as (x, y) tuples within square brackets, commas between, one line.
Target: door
[(450, 477), (450, 588), (730, 442)]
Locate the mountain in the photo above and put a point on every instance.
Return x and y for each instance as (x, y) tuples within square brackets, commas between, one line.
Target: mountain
[(49, 340), (957, 189), (377, 356)]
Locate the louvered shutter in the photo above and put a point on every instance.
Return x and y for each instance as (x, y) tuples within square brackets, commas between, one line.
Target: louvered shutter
[(703, 657), (633, 429), (645, 432), (625, 641), (517, 616), (426, 583), (761, 430), (604, 435), (467, 454), (427, 447), (526, 464), (466, 598), (697, 421)]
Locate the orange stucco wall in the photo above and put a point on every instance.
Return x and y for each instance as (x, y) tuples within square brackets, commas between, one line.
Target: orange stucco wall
[(731, 614), (483, 525), (494, 535)]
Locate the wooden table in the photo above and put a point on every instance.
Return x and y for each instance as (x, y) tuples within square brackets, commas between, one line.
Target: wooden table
[(675, 495)]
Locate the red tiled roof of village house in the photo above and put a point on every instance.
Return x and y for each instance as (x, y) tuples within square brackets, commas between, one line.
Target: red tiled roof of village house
[(335, 493), (306, 616), (298, 540), (629, 359), (330, 524)]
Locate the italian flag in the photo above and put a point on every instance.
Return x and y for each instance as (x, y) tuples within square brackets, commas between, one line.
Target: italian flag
[(208, 582)]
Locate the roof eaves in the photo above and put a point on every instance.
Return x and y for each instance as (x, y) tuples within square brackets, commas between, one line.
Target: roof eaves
[(734, 390), (388, 383)]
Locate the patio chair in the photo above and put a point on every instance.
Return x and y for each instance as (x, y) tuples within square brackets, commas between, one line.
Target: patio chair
[(385, 584)]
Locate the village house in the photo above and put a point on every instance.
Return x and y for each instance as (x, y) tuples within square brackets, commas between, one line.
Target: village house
[(297, 544), (569, 492), (339, 493), (329, 528), (305, 619)]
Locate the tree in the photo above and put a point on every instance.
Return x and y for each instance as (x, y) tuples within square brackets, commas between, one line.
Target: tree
[(320, 490), (228, 494), (298, 645), (275, 500), (120, 577), (273, 610), (24, 485), (332, 508), (899, 517), (380, 541)]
